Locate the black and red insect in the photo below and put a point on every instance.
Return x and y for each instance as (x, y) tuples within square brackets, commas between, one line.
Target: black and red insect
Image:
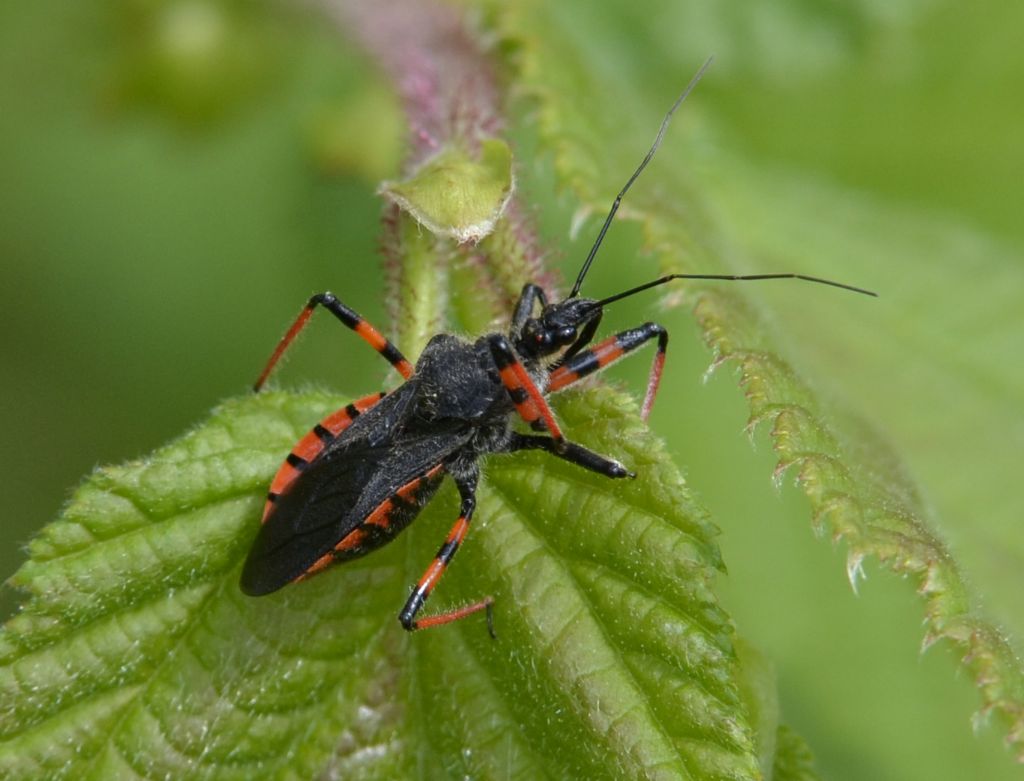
[(364, 473)]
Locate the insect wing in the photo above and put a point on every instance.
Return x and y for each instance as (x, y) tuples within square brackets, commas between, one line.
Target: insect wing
[(334, 496)]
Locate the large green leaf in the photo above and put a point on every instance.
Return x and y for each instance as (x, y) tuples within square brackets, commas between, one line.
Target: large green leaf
[(859, 490), (931, 347), (137, 655)]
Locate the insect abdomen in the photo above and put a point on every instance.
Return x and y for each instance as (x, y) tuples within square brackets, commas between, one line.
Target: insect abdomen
[(312, 445), (385, 521)]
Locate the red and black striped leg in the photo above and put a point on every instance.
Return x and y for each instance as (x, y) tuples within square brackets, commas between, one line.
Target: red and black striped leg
[(426, 584), (573, 453), (529, 401), (607, 352), (350, 319)]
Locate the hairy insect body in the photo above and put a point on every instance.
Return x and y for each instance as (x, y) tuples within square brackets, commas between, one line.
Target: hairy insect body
[(369, 481), (458, 381)]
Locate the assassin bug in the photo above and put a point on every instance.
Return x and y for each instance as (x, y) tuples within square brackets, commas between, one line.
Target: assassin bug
[(364, 473)]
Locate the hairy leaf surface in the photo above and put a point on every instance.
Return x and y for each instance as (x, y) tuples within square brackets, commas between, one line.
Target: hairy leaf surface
[(137, 655)]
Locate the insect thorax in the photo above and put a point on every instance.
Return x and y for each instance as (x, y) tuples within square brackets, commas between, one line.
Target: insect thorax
[(459, 382)]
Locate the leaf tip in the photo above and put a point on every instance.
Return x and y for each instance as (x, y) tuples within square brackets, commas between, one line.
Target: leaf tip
[(718, 360), (779, 473), (980, 719), (855, 569), (930, 638), (456, 195)]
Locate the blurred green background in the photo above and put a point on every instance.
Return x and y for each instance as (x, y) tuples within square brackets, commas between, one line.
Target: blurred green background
[(177, 177)]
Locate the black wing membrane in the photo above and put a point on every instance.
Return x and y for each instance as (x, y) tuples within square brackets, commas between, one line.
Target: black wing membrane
[(337, 491)]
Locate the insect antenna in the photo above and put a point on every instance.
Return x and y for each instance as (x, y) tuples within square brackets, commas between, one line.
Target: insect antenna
[(731, 278), (636, 173)]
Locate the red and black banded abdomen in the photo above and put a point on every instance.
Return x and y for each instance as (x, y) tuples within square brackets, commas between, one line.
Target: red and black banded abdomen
[(313, 444), (345, 490), (383, 523)]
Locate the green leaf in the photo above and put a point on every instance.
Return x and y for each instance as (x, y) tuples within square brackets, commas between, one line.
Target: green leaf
[(940, 345), (793, 760), (858, 488), (457, 194), (137, 654), (448, 696)]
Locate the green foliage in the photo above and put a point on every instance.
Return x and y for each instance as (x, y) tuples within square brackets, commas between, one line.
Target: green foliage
[(137, 654), (192, 62), (858, 489), (457, 194)]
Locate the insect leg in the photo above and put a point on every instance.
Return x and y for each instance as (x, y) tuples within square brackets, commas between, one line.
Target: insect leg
[(573, 453), (529, 401), (606, 352), (426, 584), (528, 299), (586, 337), (350, 319)]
